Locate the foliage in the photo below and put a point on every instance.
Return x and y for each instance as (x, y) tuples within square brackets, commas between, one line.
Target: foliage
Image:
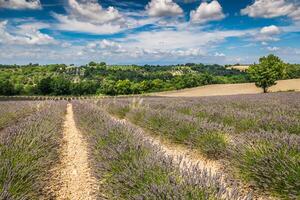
[(6, 87), (278, 165), (267, 72), (99, 78)]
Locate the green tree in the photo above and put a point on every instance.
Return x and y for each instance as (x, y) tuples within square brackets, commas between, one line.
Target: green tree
[(123, 87), (44, 86), (60, 86), (108, 87), (6, 87), (92, 63), (267, 72)]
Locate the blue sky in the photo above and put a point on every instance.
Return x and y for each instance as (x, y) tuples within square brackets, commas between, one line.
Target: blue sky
[(148, 31)]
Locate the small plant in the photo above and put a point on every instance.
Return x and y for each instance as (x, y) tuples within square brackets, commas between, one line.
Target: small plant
[(274, 168), (214, 145)]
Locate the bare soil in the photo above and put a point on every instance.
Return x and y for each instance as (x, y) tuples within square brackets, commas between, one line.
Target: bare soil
[(232, 89)]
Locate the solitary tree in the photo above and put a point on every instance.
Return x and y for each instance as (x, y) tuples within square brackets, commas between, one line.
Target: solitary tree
[(267, 72)]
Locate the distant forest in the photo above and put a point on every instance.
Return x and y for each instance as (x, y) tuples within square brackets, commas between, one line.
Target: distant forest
[(101, 79)]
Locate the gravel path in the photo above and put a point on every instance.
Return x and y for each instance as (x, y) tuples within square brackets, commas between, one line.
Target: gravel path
[(75, 173)]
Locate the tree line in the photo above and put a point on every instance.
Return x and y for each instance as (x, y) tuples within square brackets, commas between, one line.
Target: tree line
[(102, 79)]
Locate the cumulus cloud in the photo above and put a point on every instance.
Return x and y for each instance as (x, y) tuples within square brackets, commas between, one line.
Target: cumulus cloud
[(268, 33), (105, 45), (272, 8), (207, 12), (89, 17), (92, 11), (25, 34), (270, 30), (20, 4), (160, 8), (182, 42), (68, 23)]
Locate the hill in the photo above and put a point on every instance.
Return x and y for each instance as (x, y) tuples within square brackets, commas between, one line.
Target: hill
[(232, 89)]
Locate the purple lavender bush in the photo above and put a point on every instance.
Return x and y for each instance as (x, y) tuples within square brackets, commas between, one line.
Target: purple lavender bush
[(130, 167), (28, 150)]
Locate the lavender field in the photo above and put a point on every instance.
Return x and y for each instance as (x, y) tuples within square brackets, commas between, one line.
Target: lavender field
[(255, 138), (225, 147)]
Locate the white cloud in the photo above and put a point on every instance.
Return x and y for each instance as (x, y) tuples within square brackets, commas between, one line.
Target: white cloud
[(270, 30), (217, 54), (160, 8), (20, 4), (92, 11), (268, 33), (89, 17), (295, 14), (105, 45), (272, 8), (273, 48), (207, 12), (166, 43), (68, 23), (25, 34)]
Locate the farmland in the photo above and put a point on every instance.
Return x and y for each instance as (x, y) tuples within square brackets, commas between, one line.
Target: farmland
[(222, 147)]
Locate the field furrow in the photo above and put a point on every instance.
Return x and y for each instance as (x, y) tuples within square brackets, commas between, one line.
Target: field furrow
[(131, 165), (255, 149)]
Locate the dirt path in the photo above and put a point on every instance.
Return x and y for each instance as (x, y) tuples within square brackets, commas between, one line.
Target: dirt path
[(185, 157), (75, 174)]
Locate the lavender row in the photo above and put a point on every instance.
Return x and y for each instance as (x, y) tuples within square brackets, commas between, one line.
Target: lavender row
[(128, 166), (10, 111), (256, 156), (28, 151)]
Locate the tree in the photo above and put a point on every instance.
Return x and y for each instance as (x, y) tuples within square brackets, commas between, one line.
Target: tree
[(44, 86), (123, 87), (60, 86), (92, 63), (267, 72), (6, 87)]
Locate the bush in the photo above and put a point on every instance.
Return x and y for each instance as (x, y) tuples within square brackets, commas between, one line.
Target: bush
[(274, 168), (214, 145)]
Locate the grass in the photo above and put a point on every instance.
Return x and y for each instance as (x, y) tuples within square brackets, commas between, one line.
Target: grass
[(213, 145)]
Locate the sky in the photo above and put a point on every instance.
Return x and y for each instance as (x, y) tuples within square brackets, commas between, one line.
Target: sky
[(148, 31)]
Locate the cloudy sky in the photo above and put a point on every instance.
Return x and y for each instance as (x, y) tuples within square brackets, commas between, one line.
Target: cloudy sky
[(148, 31)]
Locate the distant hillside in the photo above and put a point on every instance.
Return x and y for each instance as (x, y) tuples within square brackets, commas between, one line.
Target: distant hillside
[(101, 79), (232, 89), (239, 67)]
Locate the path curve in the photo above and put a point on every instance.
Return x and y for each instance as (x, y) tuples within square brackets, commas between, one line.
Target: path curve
[(75, 173), (185, 157)]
